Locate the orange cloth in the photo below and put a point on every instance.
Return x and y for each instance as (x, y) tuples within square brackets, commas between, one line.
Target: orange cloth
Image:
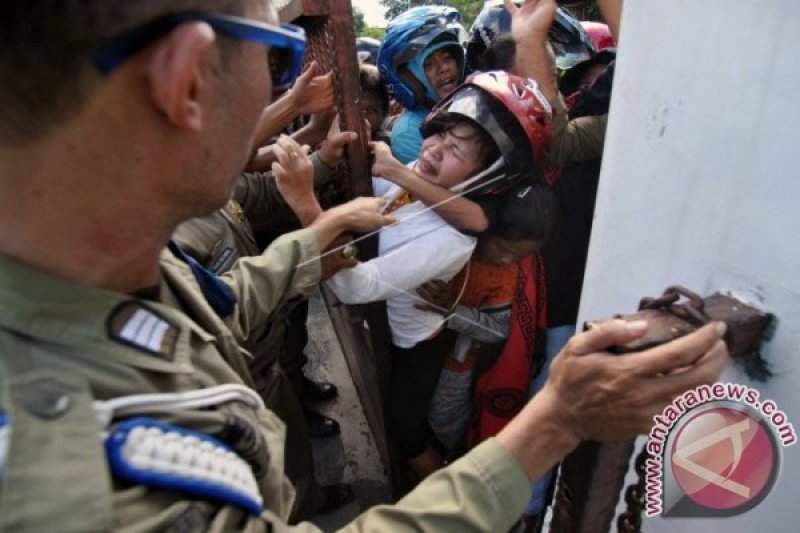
[(400, 201), (502, 391), (488, 285)]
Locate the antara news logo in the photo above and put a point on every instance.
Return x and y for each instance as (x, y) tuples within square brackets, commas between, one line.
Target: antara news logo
[(715, 451)]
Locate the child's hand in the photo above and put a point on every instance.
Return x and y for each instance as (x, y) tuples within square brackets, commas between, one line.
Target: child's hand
[(439, 296), (385, 165)]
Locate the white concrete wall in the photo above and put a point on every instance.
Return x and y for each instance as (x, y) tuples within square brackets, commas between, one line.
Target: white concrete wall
[(700, 187)]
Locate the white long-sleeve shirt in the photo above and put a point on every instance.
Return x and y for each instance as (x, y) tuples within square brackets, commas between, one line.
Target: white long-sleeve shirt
[(421, 247)]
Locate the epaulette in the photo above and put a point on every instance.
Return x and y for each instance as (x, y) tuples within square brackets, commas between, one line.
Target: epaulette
[(145, 451)]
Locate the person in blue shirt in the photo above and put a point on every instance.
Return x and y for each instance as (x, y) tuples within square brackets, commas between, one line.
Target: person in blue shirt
[(422, 61)]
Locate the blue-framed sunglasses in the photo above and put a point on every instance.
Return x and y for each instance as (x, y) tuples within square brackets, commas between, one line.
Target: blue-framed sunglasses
[(287, 44)]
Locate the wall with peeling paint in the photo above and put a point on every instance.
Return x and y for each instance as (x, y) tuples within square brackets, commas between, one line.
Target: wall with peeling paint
[(700, 186)]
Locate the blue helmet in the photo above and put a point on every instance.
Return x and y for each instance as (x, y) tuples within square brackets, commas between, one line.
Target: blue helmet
[(410, 38)]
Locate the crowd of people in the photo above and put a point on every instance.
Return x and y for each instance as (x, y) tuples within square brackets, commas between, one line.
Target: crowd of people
[(152, 332)]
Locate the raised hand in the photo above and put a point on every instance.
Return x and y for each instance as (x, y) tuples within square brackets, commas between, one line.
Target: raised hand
[(532, 19), (311, 94), (385, 165), (332, 149), (294, 176)]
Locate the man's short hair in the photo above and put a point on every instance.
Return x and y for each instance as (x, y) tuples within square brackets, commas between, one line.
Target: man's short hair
[(45, 54), (500, 55)]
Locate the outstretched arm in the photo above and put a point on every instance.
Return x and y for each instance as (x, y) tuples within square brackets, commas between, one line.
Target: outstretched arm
[(294, 176), (612, 13), (596, 395), (458, 211), (529, 26)]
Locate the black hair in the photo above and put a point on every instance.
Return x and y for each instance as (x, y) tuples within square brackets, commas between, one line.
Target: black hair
[(488, 152), (528, 211), (45, 54), (500, 55), (370, 80)]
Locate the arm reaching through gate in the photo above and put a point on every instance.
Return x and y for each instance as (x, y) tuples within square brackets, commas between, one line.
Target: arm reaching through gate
[(593, 394)]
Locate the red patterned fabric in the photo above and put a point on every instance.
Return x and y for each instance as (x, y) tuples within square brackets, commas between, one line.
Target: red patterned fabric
[(502, 390)]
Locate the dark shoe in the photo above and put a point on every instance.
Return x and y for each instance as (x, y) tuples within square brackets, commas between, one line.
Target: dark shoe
[(318, 391), (320, 426), (336, 496)]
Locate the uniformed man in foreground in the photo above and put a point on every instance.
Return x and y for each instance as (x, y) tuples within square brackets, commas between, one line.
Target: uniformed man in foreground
[(124, 396)]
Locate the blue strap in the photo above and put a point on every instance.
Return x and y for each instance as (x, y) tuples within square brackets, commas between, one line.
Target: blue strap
[(219, 296)]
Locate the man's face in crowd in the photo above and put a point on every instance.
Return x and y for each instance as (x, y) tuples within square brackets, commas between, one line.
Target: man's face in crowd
[(442, 71)]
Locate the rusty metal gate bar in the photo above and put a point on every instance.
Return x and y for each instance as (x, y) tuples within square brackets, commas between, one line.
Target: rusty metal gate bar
[(331, 43)]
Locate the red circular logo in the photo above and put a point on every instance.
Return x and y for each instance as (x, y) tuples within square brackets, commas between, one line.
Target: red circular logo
[(725, 458)]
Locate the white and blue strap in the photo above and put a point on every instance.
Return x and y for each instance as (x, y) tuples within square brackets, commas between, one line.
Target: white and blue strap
[(145, 451), (149, 452)]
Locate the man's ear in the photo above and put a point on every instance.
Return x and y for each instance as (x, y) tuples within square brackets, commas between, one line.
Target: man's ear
[(178, 70)]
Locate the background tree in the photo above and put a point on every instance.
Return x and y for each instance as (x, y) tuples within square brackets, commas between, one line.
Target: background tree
[(374, 32), (358, 21)]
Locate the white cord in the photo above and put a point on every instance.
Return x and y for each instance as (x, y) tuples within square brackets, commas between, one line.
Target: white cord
[(494, 167), (137, 404)]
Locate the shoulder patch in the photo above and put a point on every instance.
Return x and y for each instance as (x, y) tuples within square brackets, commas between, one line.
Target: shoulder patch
[(221, 261), (134, 324)]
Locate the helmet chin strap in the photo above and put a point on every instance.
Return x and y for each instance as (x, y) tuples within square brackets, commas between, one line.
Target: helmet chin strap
[(495, 172)]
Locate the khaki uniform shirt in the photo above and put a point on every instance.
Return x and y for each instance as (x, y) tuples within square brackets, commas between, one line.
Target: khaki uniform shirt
[(578, 139), (217, 240), (65, 352)]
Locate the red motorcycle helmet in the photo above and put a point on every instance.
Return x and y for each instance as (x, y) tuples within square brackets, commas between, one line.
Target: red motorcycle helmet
[(599, 34), (515, 114)]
